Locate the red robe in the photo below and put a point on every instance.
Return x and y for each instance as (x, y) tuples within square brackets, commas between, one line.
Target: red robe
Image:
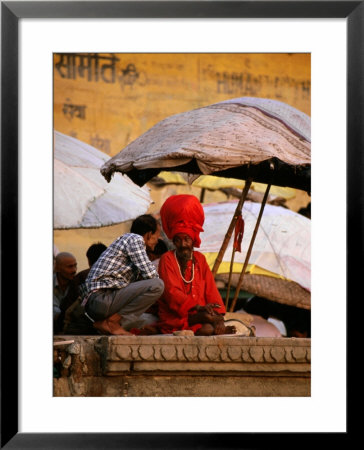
[(179, 297)]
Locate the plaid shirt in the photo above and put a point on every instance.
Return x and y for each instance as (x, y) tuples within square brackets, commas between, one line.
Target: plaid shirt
[(123, 262)]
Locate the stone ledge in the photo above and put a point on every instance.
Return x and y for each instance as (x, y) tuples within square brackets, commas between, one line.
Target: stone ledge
[(220, 353), (246, 366), (116, 368), (215, 353)]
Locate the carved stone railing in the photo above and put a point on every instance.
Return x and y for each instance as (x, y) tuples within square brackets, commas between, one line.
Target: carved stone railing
[(188, 365), (216, 353)]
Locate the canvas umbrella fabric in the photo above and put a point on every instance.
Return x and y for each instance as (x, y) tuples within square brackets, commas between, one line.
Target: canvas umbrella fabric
[(213, 183), (82, 197), (203, 181), (240, 138), (282, 249)]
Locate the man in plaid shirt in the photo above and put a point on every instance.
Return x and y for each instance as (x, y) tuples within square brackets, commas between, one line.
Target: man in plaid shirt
[(124, 283)]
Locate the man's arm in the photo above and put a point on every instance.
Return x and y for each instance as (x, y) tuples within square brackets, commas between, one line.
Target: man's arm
[(212, 294), (56, 308)]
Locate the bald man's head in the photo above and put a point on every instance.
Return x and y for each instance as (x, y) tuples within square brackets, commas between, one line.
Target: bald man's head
[(66, 266)]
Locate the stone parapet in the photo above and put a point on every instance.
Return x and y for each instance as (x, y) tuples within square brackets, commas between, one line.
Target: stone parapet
[(166, 365), (215, 353)]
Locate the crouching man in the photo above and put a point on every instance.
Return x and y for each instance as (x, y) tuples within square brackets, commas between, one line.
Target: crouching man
[(124, 283)]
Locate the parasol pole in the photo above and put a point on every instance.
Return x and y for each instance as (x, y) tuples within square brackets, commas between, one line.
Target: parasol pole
[(239, 232), (229, 281), (202, 195), (231, 227), (240, 282)]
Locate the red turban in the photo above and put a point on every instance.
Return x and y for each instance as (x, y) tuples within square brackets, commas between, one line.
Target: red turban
[(183, 214)]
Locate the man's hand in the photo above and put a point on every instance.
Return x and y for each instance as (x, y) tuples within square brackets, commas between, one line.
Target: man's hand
[(204, 314), (200, 317), (208, 308)]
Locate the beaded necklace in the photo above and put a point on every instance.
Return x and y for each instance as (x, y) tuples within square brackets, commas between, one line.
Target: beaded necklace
[(179, 268)]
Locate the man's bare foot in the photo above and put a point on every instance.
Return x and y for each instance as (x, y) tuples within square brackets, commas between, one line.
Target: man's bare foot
[(111, 325), (230, 329), (206, 330), (118, 330)]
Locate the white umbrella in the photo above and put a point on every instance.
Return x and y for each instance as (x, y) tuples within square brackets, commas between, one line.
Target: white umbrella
[(82, 197), (281, 252), (282, 246)]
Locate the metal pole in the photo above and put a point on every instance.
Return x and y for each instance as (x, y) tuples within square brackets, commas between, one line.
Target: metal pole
[(240, 282), (231, 227)]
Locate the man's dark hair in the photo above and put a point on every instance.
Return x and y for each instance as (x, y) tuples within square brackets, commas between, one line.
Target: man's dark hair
[(94, 251), (160, 248), (143, 224), (158, 251)]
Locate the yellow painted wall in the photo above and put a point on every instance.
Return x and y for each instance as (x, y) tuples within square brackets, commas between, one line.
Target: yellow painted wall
[(108, 100)]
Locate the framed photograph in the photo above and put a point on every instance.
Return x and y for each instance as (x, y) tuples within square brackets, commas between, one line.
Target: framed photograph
[(32, 33)]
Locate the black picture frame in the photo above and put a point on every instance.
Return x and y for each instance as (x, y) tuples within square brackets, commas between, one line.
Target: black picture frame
[(11, 12)]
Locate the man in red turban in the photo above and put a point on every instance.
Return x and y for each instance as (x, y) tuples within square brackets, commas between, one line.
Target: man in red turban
[(190, 300)]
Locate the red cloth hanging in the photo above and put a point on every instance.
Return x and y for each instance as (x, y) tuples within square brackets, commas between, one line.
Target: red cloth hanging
[(239, 232)]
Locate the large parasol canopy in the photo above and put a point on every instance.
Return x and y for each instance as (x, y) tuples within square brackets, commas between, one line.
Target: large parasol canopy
[(264, 139)]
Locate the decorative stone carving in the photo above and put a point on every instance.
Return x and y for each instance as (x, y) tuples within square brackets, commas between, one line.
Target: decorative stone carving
[(234, 353), (190, 352), (278, 354), (242, 353), (213, 352), (123, 352), (169, 352), (257, 354)]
